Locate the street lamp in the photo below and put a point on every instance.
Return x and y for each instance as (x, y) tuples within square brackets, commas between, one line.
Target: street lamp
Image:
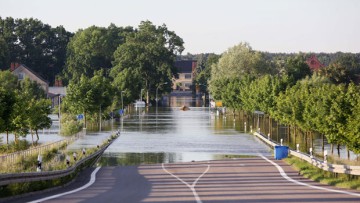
[(122, 101), (156, 98)]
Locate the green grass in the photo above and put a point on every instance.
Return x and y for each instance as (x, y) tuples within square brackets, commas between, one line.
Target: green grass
[(309, 171)]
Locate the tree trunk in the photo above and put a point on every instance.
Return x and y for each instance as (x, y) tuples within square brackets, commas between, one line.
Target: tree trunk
[(338, 150), (323, 142), (37, 136), (85, 119), (348, 152), (147, 97), (332, 148), (7, 137)]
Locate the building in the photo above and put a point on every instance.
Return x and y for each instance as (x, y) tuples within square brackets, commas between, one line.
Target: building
[(22, 72), (314, 63), (185, 77)]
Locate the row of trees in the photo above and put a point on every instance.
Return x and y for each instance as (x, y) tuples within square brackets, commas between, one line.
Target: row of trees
[(23, 107), (35, 44), (105, 64), (324, 101)]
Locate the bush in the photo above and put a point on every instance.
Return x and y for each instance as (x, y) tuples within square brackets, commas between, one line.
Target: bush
[(69, 125)]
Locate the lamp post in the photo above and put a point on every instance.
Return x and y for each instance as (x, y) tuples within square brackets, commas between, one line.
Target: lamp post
[(156, 97), (122, 101)]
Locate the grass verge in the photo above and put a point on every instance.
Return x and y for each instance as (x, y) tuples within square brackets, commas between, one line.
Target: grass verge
[(309, 171)]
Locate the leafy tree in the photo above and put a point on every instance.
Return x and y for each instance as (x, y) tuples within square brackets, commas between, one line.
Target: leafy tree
[(38, 118), (7, 100), (92, 49), (8, 83), (237, 62), (4, 53), (88, 95), (150, 52), (38, 45), (345, 69)]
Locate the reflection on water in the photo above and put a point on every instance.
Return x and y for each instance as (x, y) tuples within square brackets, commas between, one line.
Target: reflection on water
[(167, 134)]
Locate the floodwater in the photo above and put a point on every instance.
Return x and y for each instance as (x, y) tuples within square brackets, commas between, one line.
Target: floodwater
[(168, 134)]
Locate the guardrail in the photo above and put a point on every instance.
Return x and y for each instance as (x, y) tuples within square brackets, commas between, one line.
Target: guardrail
[(6, 179), (335, 168), (12, 157)]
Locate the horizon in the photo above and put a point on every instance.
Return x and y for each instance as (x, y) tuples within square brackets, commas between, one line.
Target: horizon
[(210, 26)]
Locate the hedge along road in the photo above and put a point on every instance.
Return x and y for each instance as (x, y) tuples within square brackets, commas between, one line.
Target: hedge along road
[(257, 179)]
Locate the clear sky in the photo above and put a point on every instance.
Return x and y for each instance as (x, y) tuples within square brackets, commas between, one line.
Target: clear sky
[(208, 26)]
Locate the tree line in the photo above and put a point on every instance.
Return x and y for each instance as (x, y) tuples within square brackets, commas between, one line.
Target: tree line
[(325, 101)]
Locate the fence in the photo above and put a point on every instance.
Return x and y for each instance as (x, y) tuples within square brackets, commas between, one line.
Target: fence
[(335, 168), (6, 179), (13, 157)]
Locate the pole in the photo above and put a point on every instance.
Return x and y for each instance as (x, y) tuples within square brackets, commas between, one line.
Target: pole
[(122, 101), (59, 113), (156, 97)]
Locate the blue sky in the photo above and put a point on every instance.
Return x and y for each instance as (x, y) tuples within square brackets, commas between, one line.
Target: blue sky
[(214, 25)]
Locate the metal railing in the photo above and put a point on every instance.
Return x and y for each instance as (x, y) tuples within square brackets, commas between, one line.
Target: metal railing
[(6, 179), (13, 157), (335, 168)]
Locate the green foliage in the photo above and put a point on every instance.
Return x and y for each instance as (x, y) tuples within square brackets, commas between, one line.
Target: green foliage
[(149, 54), (92, 49), (89, 95), (31, 42), (345, 69), (69, 125)]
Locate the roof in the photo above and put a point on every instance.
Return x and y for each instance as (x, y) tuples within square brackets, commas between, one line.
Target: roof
[(185, 66), (22, 66), (314, 63)]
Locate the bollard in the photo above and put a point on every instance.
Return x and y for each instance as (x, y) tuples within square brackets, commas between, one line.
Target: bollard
[(281, 142), (74, 155), (83, 151), (268, 136), (245, 126), (67, 160), (298, 147), (251, 129), (311, 152), (39, 162)]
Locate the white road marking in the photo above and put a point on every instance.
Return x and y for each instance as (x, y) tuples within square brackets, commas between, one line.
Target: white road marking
[(192, 186), (92, 180), (283, 174)]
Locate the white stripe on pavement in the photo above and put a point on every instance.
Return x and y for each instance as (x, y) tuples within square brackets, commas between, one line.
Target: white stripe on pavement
[(92, 181), (192, 186), (283, 174)]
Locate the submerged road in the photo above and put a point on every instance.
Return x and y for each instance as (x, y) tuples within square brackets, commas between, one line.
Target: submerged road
[(258, 179)]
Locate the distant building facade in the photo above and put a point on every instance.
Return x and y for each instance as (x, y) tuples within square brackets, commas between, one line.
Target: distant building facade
[(185, 77)]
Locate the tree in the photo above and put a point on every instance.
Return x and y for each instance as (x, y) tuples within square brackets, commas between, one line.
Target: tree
[(38, 118), (8, 83), (238, 62), (345, 69), (4, 54), (88, 95), (93, 49), (38, 45), (150, 52)]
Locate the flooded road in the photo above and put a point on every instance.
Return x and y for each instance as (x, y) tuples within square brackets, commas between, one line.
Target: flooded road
[(168, 134)]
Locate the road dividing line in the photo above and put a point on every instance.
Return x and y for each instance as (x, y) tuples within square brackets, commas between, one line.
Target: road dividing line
[(92, 181), (283, 174), (192, 186)]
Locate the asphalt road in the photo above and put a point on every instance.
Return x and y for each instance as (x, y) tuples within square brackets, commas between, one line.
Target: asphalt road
[(234, 180)]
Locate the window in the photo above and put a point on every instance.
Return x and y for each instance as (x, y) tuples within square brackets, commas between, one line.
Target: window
[(187, 76), (21, 76), (187, 85)]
